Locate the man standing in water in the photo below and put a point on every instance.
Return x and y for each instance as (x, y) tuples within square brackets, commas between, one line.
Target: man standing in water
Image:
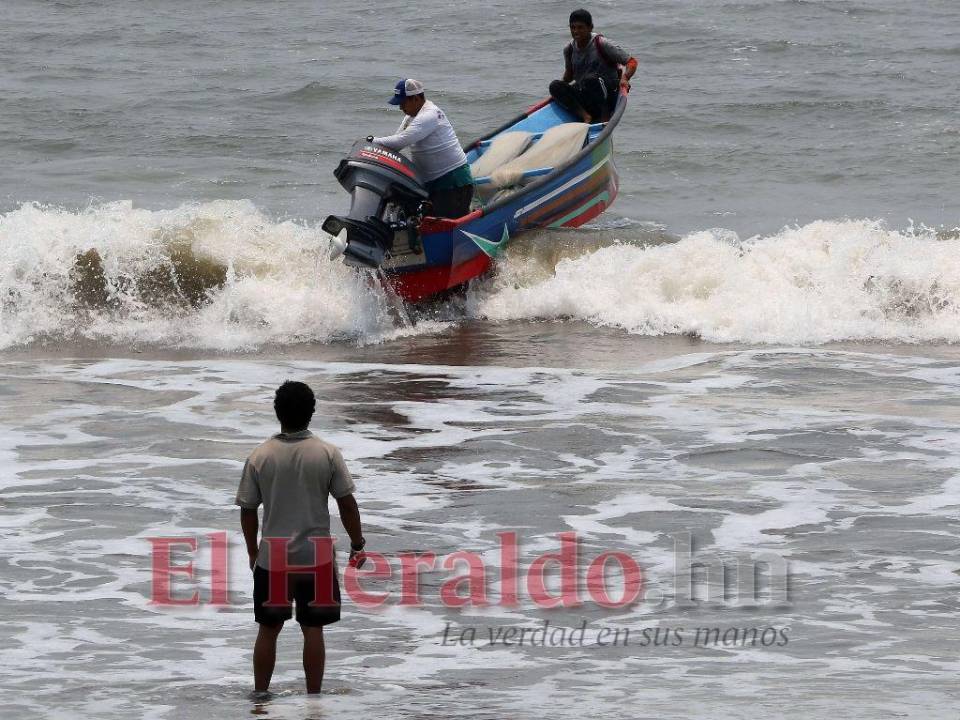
[(591, 76), (292, 474), (434, 148)]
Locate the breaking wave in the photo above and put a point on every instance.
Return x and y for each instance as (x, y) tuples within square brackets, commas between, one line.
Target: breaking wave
[(222, 275), (823, 282), (217, 275)]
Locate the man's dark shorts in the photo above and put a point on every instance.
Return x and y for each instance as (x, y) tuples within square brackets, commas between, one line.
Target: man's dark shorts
[(317, 597)]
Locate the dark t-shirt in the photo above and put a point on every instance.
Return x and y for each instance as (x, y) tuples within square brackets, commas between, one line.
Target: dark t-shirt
[(586, 63)]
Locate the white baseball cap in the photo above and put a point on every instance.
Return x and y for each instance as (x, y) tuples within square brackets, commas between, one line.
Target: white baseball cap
[(404, 89)]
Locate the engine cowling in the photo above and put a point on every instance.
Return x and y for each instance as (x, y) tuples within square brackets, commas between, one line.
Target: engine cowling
[(386, 197)]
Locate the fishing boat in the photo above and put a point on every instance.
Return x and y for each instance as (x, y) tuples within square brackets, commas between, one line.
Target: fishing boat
[(542, 169)]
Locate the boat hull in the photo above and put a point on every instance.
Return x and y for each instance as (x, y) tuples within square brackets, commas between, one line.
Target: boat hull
[(453, 252)]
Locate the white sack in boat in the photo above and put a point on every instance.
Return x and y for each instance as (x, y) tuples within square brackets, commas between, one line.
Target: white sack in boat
[(558, 144), (502, 150)]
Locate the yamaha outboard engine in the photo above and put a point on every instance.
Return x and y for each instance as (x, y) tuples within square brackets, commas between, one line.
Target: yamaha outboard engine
[(386, 198)]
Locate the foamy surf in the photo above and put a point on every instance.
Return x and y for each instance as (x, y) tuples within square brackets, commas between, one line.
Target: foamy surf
[(216, 275), (822, 282), (224, 276)]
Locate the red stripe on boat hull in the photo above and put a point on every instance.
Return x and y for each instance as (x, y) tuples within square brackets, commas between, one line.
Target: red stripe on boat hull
[(586, 217), (419, 284)]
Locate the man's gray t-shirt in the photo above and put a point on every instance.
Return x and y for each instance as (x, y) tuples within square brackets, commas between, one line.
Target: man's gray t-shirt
[(587, 62), (292, 475)]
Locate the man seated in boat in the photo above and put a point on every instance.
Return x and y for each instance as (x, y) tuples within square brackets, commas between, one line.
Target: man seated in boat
[(434, 149), (592, 72)]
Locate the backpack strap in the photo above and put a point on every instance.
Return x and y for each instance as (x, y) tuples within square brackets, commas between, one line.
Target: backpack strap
[(603, 53)]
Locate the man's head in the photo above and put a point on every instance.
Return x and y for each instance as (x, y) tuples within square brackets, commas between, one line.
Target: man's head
[(294, 403), (408, 94), (581, 25)]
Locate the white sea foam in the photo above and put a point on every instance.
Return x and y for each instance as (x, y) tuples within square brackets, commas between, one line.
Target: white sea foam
[(826, 281), (460, 454), (279, 285), (222, 275)]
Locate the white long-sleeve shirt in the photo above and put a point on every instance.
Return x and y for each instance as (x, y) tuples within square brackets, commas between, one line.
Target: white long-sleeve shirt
[(433, 144)]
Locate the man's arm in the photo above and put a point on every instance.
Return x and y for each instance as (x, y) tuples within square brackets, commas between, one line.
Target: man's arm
[(422, 125), (249, 499), (341, 488), (350, 517), (250, 524), (629, 69), (616, 54)]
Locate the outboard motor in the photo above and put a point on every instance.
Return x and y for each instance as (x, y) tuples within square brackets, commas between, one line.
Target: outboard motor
[(386, 198)]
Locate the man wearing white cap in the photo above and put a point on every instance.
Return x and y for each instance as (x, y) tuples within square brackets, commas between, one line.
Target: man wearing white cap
[(434, 148)]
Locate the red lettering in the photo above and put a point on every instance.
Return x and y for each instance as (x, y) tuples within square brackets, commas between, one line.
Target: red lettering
[(163, 569), (509, 569), (377, 569), (566, 559), (475, 580), (597, 580), (410, 564), (219, 545), (280, 570)]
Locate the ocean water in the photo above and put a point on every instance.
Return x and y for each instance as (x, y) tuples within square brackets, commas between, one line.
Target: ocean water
[(749, 360)]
